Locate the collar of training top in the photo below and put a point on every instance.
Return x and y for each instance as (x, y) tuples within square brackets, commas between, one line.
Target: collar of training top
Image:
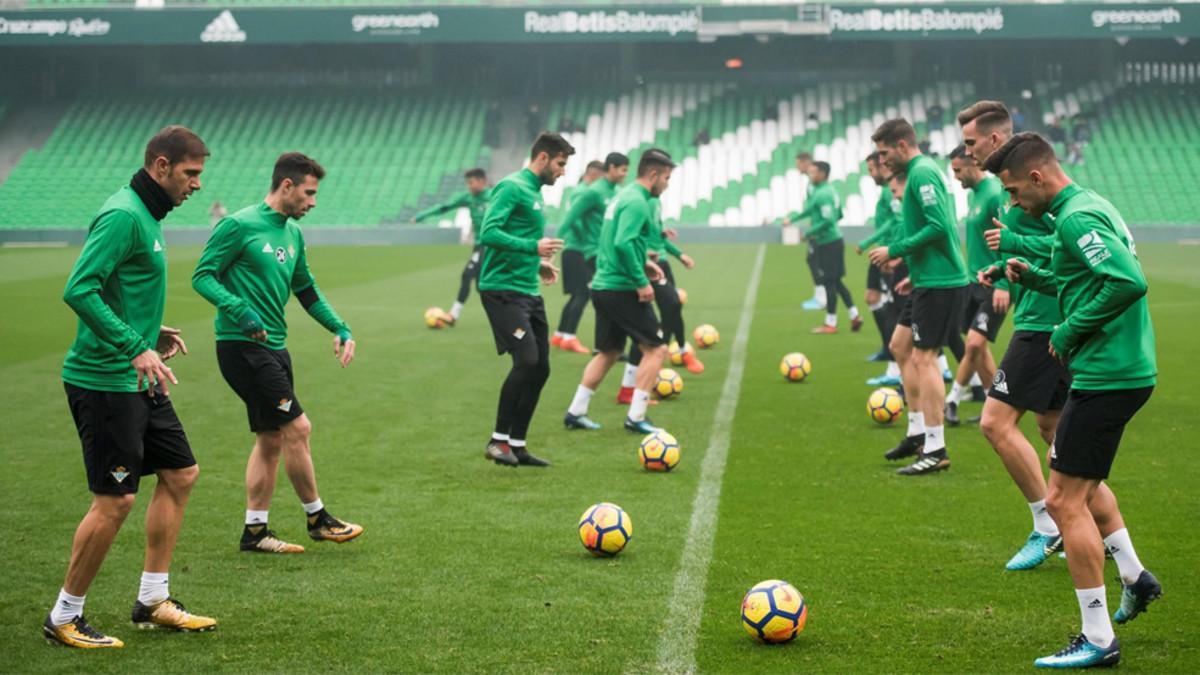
[(271, 215), (156, 199), (1061, 198)]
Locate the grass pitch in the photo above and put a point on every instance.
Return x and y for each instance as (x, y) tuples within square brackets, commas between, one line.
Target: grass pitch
[(470, 567)]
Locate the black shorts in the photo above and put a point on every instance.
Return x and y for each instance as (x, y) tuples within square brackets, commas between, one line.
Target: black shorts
[(831, 260), (262, 377), (934, 315), (1028, 378), (126, 436), (619, 315), (980, 316), (668, 274), (874, 278), (515, 317), (1089, 431), (576, 273)]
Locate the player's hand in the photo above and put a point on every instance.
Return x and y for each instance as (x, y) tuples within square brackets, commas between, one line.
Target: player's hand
[(548, 272), (653, 271), (1000, 300), (879, 256), (1016, 267), (169, 343), (646, 293), (993, 236), (151, 370), (671, 232), (548, 246), (343, 350), (687, 261), (904, 286), (891, 265), (983, 277), (251, 326)]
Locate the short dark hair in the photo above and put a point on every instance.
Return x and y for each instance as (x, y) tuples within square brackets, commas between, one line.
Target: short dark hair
[(987, 115), (893, 131), (1021, 153), (295, 166), (804, 154), (552, 144), (958, 152), (615, 159), (823, 167), (873, 158), (654, 158), (475, 173), (176, 143), (900, 175), (595, 164)]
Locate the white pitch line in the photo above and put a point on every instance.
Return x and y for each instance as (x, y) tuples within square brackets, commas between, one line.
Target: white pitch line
[(677, 646)]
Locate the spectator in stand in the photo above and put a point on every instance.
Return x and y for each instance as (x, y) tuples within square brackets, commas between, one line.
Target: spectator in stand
[(1055, 132), (702, 137), (1018, 120), (934, 114)]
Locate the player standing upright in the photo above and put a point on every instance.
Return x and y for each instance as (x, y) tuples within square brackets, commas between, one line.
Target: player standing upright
[(887, 214), (804, 162), (475, 199), (253, 263), (118, 289), (516, 256), (929, 246), (824, 208), (666, 291), (580, 231), (1107, 339)]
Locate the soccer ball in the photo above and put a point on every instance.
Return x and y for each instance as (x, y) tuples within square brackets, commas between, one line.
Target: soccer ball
[(795, 367), (885, 405), (682, 296), (659, 451), (605, 529), (706, 336), (773, 612), (436, 318), (676, 353), (669, 384)]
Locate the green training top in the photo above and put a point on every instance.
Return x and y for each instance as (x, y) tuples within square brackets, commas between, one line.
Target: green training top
[(580, 229), (254, 260), (824, 207), (1030, 238), (476, 204), (657, 241), (514, 223), (117, 288), (986, 200), (928, 236), (887, 217), (621, 264), (1107, 334)]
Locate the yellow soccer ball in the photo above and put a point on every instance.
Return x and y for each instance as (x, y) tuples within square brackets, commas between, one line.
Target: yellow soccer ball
[(669, 384), (605, 529), (773, 612), (676, 353), (436, 318), (795, 367), (659, 451), (682, 296), (706, 336), (885, 405)]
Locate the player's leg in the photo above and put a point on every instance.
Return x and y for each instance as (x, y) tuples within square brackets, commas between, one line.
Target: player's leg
[(653, 356), (1139, 587), (538, 373), (877, 301), (629, 374), (818, 300), (901, 347), (974, 361), (593, 375), (470, 274), (575, 286), (936, 318)]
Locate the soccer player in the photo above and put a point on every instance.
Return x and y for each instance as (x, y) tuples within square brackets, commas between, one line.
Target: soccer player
[(1107, 340), (622, 292), (253, 262), (887, 213), (804, 163), (824, 209), (516, 255), (986, 307), (475, 198), (938, 279), (117, 388), (892, 275), (579, 232)]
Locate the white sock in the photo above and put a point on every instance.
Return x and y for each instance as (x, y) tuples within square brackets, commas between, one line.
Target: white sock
[(567, 336), (975, 381), (878, 305), (819, 295), (935, 438), (955, 394), (916, 424), (943, 363), (312, 507), (831, 320), (153, 589), (685, 348), (853, 312), (499, 437), (66, 608), (456, 310), (256, 517), (1042, 522), (629, 379), (1121, 547), (558, 334), (1093, 605), (579, 404), (893, 369), (637, 408), (516, 443)]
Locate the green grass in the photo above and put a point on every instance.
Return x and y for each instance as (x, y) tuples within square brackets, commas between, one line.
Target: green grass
[(469, 567)]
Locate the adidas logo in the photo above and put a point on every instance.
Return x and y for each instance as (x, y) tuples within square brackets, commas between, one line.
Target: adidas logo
[(267, 248), (1095, 604), (1001, 387), (157, 246), (224, 28)]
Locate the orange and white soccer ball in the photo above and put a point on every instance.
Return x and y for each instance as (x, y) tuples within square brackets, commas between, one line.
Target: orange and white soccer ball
[(774, 611), (436, 318), (705, 336), (795, 367), (669, 384)]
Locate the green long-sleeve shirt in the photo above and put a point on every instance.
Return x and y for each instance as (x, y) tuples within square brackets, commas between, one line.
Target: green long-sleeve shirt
[(475, 204), (657, 241), (514, 223), (1030, 238), (986, 201), (824, 207), (580, 230), (1106, 334), (118, 289), (887, 217), (254, 260), (928, 238), (621, 263)]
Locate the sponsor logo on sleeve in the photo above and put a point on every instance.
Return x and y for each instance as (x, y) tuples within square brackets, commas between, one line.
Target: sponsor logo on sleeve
[(928, 194), (1093, 248)]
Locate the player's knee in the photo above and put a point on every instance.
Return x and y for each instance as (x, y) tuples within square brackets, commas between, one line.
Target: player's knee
[(115, 507), (298, 429), (182, 479)]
